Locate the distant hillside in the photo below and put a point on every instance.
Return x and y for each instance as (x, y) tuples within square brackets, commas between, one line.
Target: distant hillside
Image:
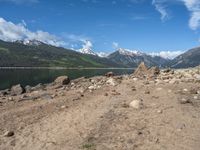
[(190, 58), (37, 54)]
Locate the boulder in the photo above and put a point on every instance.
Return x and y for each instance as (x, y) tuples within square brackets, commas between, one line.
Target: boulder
[(109, 74), (17, 90), (62, 80), (141, 71)]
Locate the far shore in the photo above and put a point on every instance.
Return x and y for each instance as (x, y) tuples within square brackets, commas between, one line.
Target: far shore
[(62, 68)]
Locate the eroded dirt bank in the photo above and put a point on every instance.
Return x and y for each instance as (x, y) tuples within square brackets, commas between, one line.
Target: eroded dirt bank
[(105, 113)]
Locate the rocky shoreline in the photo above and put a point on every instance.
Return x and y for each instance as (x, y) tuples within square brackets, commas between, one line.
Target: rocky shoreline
[(23, 107), (153, 75)]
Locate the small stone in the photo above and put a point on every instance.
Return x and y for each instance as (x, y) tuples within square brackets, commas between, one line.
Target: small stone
[(159, 111), (92, 87), (180, 127), (146, 83), (111, 82), (9, 133), (54, 95), (133, 88), (92, 81), (135, 79), (146, 92), (10, 98), (109, 74), (63, 107), (169, 91), (125, 105), (137, 104), (106, 94), (184, 101)]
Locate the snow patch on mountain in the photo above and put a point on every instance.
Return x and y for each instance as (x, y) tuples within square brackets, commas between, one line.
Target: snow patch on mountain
[(29, 42), (102, 54), (130, 52), (167, 54), (88, 51)]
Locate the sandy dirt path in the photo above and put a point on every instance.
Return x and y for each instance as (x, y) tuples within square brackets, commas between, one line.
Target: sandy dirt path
[(105, 121)]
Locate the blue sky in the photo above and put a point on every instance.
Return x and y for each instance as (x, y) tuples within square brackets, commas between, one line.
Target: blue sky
[(147, 25)]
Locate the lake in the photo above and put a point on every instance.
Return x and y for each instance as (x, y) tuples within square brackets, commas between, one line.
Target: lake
[(32, 77)]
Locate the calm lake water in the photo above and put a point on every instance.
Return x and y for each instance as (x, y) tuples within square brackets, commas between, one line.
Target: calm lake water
[(32, 77)]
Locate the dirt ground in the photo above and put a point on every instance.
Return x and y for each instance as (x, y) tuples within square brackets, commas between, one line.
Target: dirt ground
[(102, 119)]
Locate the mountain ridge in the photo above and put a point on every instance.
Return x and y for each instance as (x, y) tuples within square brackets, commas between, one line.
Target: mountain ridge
[(34, 53)]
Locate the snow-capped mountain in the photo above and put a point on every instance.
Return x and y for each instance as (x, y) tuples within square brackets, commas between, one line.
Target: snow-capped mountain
[(129, 52), (88, 51), (133, 58)]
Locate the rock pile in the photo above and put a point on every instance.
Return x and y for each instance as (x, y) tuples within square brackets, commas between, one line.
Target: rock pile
[(142, 72)]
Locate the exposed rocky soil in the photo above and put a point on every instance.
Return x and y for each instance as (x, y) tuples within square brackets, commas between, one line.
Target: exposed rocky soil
[(160, 112)]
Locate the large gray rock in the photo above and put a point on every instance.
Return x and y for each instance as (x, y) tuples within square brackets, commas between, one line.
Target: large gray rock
[(17, 90), (62, 80)]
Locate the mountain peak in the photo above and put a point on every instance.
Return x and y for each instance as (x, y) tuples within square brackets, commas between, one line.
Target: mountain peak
[(129, 52), (87, 51)]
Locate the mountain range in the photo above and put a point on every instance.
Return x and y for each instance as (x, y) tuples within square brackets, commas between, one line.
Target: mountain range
[(37, 54)]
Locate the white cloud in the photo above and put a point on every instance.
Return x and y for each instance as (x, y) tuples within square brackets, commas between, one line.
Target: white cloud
[(167, 54), (78, 41), (87, 44), (161, 8), (194, 7), (12, 32), (115, 45)]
